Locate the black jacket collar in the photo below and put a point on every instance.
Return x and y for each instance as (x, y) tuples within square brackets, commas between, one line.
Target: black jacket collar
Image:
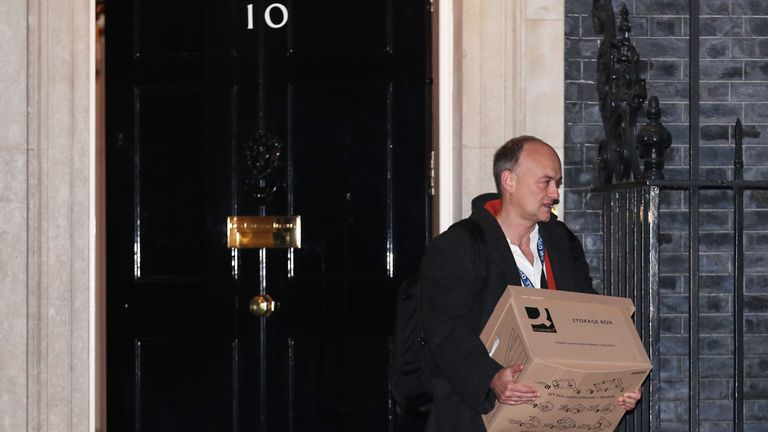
[(496, 241)]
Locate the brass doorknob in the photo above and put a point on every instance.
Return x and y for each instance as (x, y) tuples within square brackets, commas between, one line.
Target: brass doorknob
[(262, 305)]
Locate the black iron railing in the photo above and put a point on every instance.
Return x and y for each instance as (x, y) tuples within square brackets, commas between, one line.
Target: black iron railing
[(631, 227), (631, 212)]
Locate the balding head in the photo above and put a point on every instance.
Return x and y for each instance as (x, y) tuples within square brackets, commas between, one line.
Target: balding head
[(508, 156)]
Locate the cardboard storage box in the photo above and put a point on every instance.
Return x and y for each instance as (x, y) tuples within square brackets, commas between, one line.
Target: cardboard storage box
[(580, 351)]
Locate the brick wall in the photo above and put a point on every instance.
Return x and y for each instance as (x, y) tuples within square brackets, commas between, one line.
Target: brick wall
[(734, 83)]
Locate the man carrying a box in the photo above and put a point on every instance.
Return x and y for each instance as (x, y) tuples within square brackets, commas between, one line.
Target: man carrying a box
[(517, 241)]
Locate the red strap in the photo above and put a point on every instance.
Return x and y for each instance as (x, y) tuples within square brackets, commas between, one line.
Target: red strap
[(550, 276)]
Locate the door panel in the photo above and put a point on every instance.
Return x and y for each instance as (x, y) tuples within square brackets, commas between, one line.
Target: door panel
[(190, 92), (182, 181), (172, 392), (342, 133), (182, 27), (346, 374), (340, 27)]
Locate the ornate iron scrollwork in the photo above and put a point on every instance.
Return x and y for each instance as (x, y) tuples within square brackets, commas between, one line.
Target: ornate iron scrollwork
[(262, 155), (622, 93)]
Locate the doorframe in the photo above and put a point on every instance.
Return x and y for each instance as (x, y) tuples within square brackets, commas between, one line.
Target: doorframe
[(446, 115), (51, 350), (498, 76)]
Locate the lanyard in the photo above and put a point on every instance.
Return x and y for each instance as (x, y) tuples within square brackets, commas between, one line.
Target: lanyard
[(547, 268), (540, 249)]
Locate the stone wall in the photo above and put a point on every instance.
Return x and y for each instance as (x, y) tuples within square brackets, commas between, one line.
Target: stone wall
[(13, 213), (45, 203), (510, 82), (734, 83)]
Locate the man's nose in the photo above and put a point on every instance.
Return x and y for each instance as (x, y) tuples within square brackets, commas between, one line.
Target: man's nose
[(554, 191)]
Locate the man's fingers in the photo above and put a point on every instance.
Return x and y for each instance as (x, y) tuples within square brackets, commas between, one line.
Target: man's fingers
[(511, 373), (517, 398), (515, 401), (629, 400), (508, 391), (520, 393)]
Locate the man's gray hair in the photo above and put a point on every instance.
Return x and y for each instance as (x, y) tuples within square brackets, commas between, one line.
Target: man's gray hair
[(508, 155)]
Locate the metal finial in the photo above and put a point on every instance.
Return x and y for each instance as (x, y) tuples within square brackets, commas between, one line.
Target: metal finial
[(624, 26), (653, 139)]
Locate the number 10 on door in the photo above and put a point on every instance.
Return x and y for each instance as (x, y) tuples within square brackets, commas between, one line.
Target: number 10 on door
[(282, 10)]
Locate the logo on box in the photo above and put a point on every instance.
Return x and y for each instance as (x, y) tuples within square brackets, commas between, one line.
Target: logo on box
[(541, 320)]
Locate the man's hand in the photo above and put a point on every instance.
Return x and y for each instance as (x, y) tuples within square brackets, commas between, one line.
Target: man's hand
[(629, 399), (508, 391)]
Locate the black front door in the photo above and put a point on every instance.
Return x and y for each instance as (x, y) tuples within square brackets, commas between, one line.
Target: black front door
[(198, 92)]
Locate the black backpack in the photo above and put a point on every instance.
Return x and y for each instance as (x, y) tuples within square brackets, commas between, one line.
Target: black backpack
[(410, 376)]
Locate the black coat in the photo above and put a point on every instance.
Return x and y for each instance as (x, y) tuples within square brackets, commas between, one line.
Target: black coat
[(459, 294)]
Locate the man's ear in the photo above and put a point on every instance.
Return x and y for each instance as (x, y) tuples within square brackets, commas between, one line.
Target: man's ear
[(508, 179)]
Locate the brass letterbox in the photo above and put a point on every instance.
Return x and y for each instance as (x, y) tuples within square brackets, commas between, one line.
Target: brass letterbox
[(249, 232)]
